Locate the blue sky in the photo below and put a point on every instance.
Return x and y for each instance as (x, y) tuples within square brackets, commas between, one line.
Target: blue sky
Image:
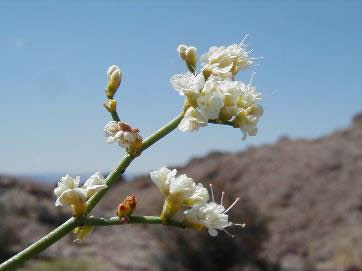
[(54, 56)]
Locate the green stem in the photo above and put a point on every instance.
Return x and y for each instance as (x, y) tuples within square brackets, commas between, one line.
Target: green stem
[(115, 116), (39, 245), (70, 224), (93, 221)]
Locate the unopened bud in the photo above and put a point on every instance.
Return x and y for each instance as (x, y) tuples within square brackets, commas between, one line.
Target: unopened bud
[(126, 207), (206, 72), (188, 54), (181, 49), (114, 76), (111, 106)]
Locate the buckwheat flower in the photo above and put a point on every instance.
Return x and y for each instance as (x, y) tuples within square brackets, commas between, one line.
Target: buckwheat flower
[(187, 83), (231, 90), (114, 76), (210, 215), (249, 96), (192, 120), (249, 111), (183, 192), (69, 194), (162, 179), (126, 136), (178, 191), (67, 182), (227, 61), (212, 99), (95, 183), (247, 119)]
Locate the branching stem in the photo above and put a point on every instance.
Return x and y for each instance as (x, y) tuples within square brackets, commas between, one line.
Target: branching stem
[(72, 223), (94, 221)]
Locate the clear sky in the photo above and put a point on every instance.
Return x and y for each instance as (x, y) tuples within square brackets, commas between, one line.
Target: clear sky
[(54, 56)]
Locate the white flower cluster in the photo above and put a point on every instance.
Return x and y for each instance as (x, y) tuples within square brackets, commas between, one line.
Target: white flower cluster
[(215, 95), (182, 191), (226, 62), (70, 194), (122, 133)]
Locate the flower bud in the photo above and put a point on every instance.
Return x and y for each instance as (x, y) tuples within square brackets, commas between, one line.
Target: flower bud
[(111, 106), (114, 76), (188, 54), (126, 207), (181, 49)]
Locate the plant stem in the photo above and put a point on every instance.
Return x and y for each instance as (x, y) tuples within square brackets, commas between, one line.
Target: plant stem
[(115, 116), (39, 245), (93, 221), (72, 223)]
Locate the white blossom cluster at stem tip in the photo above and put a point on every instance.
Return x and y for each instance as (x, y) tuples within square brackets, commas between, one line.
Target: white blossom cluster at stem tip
[(182, 192), (70, 194), (214, 94)]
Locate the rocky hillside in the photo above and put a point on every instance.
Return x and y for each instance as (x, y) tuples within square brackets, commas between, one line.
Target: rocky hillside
[(301, 200)]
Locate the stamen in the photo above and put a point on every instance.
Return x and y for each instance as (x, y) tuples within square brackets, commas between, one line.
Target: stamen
[(243, 225), (242, 42), (228, 233), (222, 197), (231, 206), (259, 57), (251, 80), (212, 192)]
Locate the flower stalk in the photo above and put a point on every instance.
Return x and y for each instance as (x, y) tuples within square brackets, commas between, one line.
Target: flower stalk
[(94, 221), (72, 223)]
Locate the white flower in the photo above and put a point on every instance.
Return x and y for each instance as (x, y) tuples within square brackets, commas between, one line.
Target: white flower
[(112, 131), (95, 183), (212, 99), (249, 111), (184, 190), (247, 119), (192, 120), (210, 215), (187, 83), (66, 183), (69, 194), (249, 96), (178, 191), (199, 195), (122, 133), (226, 61), (75, 196), (162, 179)]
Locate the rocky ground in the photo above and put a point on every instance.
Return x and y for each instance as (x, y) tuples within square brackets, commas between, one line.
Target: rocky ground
[(301, 200)]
